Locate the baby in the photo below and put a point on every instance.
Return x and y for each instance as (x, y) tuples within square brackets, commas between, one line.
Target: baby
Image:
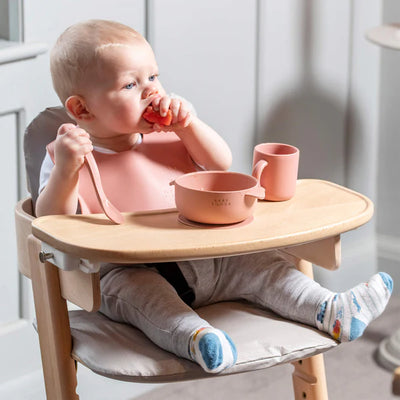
[(106, 76)]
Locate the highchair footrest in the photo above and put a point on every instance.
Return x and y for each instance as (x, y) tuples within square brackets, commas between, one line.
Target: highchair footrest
[(67, 262)]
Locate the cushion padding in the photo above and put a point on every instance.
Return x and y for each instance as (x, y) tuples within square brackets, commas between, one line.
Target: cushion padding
[(122, 352)]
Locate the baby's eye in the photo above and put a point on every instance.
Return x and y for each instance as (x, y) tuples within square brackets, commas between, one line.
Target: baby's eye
[(153, 77), (130, 85)]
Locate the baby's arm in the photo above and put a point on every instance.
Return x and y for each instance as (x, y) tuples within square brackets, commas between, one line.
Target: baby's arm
[(205, 146), (203, 143), (60, 196)]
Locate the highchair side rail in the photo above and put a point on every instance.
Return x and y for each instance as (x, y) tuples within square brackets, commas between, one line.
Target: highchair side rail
[(54, 329), (320, 210)]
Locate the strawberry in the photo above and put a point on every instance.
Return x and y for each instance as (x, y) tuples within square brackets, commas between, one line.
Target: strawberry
[(152, 116)]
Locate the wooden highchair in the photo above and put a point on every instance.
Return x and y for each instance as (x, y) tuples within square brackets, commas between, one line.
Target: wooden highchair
[(61, 254)]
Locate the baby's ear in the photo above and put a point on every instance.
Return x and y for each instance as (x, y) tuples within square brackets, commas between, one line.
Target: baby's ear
[(77, 109)]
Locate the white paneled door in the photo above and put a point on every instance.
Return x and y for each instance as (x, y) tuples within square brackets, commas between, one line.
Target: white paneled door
[(26, 90), (9, 285)]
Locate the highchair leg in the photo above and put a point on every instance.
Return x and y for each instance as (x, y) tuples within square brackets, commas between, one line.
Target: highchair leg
[(59, 368), (309, 380)]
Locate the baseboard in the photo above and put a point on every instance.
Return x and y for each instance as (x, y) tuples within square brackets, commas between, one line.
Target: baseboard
[(389, 258), (19, 349), (90, 386)]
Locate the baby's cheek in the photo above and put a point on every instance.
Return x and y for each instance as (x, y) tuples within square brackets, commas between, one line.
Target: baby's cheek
[(132, 116)]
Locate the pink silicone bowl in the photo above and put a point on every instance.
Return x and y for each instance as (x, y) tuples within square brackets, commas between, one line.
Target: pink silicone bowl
[(217, 197)]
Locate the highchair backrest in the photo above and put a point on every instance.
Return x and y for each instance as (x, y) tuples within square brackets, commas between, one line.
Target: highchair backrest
[(40, 132)]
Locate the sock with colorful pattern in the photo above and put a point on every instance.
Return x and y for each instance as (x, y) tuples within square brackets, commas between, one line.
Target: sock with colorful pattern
[(346, 315), (212, 349)]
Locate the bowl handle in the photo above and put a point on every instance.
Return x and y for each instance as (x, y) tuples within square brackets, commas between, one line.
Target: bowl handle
[(256, 191)]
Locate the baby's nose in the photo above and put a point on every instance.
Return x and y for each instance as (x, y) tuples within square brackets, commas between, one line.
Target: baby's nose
[(149, 91)]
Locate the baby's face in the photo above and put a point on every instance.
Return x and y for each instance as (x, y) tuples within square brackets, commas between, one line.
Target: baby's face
[(123, 84)]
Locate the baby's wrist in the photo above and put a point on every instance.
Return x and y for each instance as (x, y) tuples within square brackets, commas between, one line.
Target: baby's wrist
[(186, 128), (67, 175)]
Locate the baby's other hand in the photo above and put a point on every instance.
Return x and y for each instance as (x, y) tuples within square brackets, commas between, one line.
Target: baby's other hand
[(71, 146), (181, 115)]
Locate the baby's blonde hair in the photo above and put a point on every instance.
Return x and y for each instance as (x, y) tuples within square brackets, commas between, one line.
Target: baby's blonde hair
[(78, 49)]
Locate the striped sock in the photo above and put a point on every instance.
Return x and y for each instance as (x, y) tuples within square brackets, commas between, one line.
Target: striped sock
[(212, 349), (346, 315)]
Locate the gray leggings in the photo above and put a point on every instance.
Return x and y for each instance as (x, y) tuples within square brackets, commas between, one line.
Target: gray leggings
[(141, 297)]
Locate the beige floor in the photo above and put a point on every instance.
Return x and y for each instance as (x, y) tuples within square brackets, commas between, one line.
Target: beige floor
[(352, 371)]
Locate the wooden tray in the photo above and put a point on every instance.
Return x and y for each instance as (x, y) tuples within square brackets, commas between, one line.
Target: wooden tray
[(319, 210)]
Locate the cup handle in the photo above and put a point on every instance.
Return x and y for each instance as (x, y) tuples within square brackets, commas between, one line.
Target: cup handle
[(258, 169)]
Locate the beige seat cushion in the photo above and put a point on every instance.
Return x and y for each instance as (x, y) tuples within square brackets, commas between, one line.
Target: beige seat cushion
[(123, 352)]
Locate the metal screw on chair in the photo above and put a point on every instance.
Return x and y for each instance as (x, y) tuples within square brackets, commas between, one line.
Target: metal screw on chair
[(45, 256)]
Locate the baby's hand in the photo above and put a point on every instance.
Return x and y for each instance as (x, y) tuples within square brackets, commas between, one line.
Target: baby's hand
[(181, 116), (71, 146)]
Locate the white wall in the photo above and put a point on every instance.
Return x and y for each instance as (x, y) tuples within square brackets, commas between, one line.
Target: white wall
[(388, 220), (317, 89)]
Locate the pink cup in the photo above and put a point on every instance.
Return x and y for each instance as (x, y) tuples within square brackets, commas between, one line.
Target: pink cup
[(279, 177)]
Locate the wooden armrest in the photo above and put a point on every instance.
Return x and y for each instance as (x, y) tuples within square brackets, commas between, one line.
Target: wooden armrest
[(23, 228), (396, 382), (79, 288), (326, 252)]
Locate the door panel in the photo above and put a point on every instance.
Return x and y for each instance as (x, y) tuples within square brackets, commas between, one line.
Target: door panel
[(9, 180), (206, 51)]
